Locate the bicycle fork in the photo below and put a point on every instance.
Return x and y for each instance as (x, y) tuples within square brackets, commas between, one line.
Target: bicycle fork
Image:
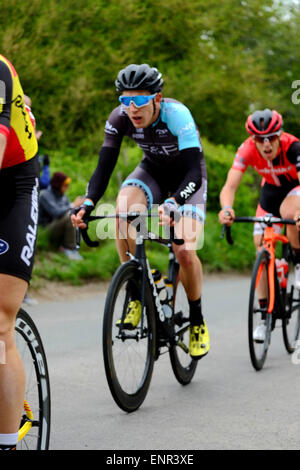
[(269, 239)]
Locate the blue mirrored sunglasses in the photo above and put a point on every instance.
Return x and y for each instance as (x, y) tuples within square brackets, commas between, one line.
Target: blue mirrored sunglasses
[(139, 100)]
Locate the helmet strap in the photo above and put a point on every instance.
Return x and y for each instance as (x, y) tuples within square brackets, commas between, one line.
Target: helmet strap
[(154, 106)]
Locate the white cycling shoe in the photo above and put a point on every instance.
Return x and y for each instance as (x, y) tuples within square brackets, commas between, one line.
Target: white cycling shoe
[(259, 334)]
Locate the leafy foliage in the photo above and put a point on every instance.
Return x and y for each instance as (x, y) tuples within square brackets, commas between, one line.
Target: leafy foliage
[(220, 58), (102, 262)]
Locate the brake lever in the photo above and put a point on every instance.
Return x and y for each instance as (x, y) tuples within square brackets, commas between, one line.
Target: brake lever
[(78, 237), (82, 232)]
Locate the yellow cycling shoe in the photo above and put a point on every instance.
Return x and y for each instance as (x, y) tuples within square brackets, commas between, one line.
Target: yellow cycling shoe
[(133, 315), (199, 341)]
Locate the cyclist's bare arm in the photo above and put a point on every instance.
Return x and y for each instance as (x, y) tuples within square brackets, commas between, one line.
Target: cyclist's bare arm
[(2, 147), (227, 196)]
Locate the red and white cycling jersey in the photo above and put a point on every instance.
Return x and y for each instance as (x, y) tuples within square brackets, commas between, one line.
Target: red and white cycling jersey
[(272, 172)]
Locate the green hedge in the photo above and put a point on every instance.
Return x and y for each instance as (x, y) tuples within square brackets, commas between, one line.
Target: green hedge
[(101, 262)]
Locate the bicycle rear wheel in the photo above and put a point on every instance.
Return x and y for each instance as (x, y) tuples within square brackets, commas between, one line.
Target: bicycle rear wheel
[(183, 365), (291, 321), (257, 314), (34, 433), (128, 354)]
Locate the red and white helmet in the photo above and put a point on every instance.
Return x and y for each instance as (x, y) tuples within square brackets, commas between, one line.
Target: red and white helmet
[(264, 123)]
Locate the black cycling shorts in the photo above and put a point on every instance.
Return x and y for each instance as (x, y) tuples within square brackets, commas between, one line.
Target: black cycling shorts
[(271, 196), (156, 190), (19, 194)]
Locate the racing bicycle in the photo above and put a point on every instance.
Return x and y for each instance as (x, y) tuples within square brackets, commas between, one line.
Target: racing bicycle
[(129, 355), (275, 279)]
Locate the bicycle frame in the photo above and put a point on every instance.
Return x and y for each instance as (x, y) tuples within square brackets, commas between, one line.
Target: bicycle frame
[(270, 238), (141, 259), (269, 242)]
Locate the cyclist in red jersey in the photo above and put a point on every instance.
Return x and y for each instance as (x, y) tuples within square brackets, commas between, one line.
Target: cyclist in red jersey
[(19, 185), (275, 155)]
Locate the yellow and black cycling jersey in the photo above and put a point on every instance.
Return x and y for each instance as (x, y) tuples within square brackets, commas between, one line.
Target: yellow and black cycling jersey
[(15, 122)]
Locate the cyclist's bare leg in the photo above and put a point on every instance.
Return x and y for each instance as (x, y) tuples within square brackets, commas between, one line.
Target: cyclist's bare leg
[(12, 375), (130, 199), (262, 288), (289, 206), (190, 265)]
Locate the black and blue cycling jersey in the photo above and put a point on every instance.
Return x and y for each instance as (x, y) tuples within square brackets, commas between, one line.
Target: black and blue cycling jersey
[(173, 131)]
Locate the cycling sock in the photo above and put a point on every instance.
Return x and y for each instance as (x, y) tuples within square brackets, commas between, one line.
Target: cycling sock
[(8, 441), (134, 290), (263, 303), (196, 317)]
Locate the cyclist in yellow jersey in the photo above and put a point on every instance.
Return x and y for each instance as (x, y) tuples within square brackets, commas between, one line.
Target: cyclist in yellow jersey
[(19, 187)]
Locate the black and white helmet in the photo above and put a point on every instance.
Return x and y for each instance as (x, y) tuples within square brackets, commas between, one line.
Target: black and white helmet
[(139, 77)]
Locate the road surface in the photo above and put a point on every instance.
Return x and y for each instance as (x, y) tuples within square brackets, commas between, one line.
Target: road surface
[(227, 406)]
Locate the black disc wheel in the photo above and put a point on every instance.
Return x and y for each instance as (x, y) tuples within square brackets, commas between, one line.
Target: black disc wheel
[(183, 365), (258, 316), (34, 432), (128, 353)]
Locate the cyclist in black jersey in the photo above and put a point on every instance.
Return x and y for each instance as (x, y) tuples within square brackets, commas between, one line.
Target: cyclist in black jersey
[(172, 174)]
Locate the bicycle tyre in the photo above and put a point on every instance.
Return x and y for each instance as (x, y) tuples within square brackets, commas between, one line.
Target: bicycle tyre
[(291, 319), (258, 351), (37, 395), (128, 387), (184, 367)]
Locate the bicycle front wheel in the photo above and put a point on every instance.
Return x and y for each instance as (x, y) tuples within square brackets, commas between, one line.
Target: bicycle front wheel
[(291, 320), (183, 365), (34, 433), (128, 354), (257, 314)]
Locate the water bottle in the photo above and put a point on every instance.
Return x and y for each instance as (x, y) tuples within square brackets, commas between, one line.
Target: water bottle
[(167, 305), (282, 269), (157, 277), (164, 289)]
